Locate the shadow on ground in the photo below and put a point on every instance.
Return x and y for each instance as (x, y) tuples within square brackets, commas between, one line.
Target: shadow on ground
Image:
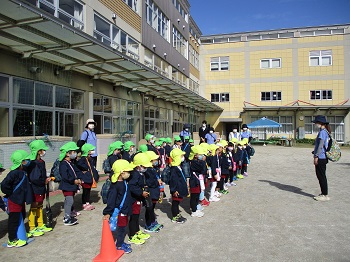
[(289, 188)]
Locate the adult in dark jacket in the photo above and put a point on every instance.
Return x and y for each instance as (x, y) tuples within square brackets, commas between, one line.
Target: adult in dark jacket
[(18, 192), (71, 179), (38, 180), (177, 184), (118, 191), (203, 130)]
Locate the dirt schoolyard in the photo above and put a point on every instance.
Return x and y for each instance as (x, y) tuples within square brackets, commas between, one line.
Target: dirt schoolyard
[(268, 216)]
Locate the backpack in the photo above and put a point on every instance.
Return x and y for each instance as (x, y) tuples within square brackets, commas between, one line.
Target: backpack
[(165, 175), (80, 142), (55, 171), (106, 166), (252, 151), (333, 150), (104, 190)]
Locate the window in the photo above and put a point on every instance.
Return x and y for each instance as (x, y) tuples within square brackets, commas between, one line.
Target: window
[(70, 11), (156, 121), (110, 35), (181, 10), (221, 97), (194, 57), (132, 4), (180, 43), (157, 19), (270, 63), (321, 95), (271, 96), (220, 63), (320, 58)]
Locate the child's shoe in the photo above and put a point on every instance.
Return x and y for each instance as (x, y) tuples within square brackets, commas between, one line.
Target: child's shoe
[(142, 235), (228, 184), (44, 229), (224, 192), (135, 240), (217, 194), (214, 199), (16, 243), (126, 248), (200, 207), (205, 202), (240, 176), (198, 213), (152, 229), (234, 178), (233, 184), (70, 221), (160, 226), (88, 207), (36, 233), (245, 174), (181, 219), (74, 213)]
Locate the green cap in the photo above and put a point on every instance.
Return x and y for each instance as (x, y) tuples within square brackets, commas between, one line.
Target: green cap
[(191, 140), (143, 148), (36, 146), (148, 137), (162, 139), (177, 138), (70, 146), (17, 157), (115, 145), (2, 169), (168, 140), (187, 138), (86, 148), (128, 144), (158, 143)]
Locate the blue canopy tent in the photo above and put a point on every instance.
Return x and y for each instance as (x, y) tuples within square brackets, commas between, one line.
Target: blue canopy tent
[(264, 123)]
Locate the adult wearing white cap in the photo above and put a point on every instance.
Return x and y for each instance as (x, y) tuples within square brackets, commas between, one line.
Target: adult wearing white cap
[(89, 137)]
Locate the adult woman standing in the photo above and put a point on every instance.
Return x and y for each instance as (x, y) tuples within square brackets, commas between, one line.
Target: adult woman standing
[(320, 158)]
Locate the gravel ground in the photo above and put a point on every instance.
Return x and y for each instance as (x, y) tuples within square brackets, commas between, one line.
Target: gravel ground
[(269, 216)]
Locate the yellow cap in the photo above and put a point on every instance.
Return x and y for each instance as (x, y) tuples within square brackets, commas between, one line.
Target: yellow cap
[(176, 155), (197, 150), (142, 159), (152, 155), (119, 166)]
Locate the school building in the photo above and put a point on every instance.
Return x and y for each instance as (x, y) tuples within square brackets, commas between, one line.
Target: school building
[(143, 66), (131, 65), (287, 75)]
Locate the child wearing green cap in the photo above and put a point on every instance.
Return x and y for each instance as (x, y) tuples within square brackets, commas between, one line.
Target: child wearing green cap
[(2, 204), (17, 190), (70, 180), (128, 151), (38, 180), (85, 164), (114, 153)]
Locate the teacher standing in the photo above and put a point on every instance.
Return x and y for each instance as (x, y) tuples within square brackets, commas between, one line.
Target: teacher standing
[(89, 137)]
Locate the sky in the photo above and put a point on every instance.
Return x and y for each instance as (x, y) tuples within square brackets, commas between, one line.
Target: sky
[(231, 16)]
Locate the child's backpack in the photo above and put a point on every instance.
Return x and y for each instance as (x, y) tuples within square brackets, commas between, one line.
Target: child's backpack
[(165, 175), (252, 151), (333, 150), (104, 190), (55, 171), (106, 166)]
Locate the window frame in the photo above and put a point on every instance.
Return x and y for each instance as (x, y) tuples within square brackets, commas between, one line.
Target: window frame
[(320, 96), (220, 97), (269, 95), (313, 55), (270, 60), (219, 62)]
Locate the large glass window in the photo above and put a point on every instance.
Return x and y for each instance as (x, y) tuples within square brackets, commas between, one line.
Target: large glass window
[(321, 95), (156, 121), (180, 43), (23, 91), (43, 94), (271, 96), (132, 4), (157, 19), (4, 89), (320, 58), (220, 63)]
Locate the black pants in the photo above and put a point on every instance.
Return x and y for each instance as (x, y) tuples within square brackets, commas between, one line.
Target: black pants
[(194, 200), (85, 197), (134, 225), (120, 236), (149, 215), (13, 223), (221, 184), (175, 208), (321, 175), (244, 168)]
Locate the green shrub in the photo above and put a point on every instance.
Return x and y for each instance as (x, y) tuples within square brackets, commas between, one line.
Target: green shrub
[(310, 141)]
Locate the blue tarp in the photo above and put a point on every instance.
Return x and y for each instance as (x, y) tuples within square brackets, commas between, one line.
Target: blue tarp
[(264, 123)]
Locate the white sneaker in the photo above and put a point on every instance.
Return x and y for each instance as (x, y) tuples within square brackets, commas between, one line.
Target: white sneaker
[(233, 184), (217, 194), (200, 207), (228, 184), (214, 199), (225, 188), (322, 198), (198, 213)]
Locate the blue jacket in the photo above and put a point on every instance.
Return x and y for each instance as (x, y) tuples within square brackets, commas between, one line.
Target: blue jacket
[(115, 196), (177, 182), (23, 193), (37, 176), (90, 138), (136, 186), (68, 176), (86, 175), (151, 176)]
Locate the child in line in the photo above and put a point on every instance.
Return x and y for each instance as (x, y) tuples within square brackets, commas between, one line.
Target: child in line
[(224, 167), (232, 164), (121, 172), (88, 174), (215, 162), (238, 157), (70, 180), (128, 151), (246, 157), (114, 152), (198, 171), (151, 139), (18, 192), (152, 181), (203, 201), (168, 147), (2, 204), (177, 184), (138, 195), (38, 181), (161, 153), (177, 142)]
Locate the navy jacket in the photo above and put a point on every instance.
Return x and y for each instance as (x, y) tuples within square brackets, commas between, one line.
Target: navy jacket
[(68, 176), (199, 167), (136, 185), (127, 156), (152, 148), (238, 157), (111, 159), (214, 163), (151, 176), (23, 193), (115, 196), (86, 175), (186, 147), (177, 182), (167, 150), (37, 176), (225, 164)]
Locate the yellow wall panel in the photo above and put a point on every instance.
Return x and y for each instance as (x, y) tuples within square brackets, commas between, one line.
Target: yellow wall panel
[(271, 42), (316, 39)]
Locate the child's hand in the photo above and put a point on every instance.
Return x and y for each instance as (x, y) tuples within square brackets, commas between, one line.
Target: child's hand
[(145, 194), (106, 217), (47, 180), (77, 181)]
